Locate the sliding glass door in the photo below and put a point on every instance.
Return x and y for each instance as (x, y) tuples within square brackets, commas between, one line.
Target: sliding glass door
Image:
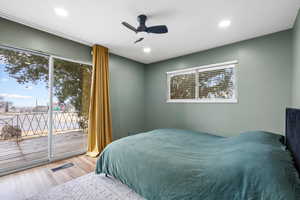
[(71, 92), (24, 105), (44, 104)]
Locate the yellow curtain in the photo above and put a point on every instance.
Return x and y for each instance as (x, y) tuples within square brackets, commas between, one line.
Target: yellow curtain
[(99, 124)]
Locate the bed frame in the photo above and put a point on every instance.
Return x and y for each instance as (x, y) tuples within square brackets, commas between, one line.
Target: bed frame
[(292, 131)]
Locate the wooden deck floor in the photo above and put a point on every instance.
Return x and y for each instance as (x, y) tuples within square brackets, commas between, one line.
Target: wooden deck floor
[(34, 149)]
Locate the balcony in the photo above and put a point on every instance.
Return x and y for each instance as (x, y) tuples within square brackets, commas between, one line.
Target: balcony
[(23, 136)]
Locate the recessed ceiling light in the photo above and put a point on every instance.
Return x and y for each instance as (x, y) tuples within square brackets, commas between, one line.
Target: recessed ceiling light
[(147, 49), (61, 12), (224, 23)]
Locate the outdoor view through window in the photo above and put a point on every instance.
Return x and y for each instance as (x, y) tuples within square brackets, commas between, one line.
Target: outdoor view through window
[(25, 103), (203, 84)]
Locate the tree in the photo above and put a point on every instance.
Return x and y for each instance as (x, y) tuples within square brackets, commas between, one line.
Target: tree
[(25, 67), (183, 86), (5, 104), (217, 83), (71, 80), (72, 84)]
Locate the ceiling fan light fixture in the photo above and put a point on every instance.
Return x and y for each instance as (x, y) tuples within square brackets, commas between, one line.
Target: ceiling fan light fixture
[(142, 34)]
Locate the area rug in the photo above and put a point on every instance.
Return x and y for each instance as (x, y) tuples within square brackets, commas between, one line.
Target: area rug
[(90, 187)]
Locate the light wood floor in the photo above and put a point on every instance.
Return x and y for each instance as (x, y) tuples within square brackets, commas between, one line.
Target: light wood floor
[(24, 184)]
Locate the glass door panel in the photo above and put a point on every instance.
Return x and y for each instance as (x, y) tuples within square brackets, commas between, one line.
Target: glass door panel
[(71, 92), (24, 105)]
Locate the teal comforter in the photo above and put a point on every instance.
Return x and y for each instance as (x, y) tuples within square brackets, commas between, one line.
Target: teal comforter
[(179, 164)]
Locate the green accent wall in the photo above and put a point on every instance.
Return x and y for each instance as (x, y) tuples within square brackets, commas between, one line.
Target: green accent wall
[(126, 76), (264, 89), (296, 63)]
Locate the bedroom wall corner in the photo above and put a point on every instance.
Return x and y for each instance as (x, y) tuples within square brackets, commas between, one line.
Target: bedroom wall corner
[(127, 96), (296, 64)]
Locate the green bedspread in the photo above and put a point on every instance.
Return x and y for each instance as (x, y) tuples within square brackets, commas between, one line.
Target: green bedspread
[(179, 164)]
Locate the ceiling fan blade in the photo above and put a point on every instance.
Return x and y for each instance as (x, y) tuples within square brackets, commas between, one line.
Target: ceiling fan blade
[(129, 27), (139, 40), (157, 29)]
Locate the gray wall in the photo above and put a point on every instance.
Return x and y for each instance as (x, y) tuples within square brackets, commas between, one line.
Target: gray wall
[(264, 82), (126, 76), (296, 63)]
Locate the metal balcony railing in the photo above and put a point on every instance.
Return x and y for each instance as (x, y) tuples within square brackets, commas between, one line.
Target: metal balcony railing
[(36, 124)]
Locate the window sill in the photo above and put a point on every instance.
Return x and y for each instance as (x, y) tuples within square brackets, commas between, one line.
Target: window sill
[(230, 101)]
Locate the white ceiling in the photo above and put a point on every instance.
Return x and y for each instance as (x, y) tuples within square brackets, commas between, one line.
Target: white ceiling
[(193, 24)]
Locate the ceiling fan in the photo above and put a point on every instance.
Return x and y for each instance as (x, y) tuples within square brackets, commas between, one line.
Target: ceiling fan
[(143, 28)]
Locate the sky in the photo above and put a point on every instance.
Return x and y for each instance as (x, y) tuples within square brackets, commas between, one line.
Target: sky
[(22, 95)]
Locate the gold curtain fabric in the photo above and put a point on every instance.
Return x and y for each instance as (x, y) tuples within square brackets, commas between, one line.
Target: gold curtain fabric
[(99, 124)]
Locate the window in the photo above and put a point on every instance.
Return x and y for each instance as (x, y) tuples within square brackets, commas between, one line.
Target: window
[(206, 84), (183, 86)]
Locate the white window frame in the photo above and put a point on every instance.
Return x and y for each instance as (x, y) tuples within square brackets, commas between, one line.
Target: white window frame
[(196, 70)]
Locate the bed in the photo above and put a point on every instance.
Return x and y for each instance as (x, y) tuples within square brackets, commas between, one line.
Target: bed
[(180, 164)]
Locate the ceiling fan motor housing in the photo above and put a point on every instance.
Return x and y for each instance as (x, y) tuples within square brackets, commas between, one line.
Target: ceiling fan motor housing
[(142, 20)]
